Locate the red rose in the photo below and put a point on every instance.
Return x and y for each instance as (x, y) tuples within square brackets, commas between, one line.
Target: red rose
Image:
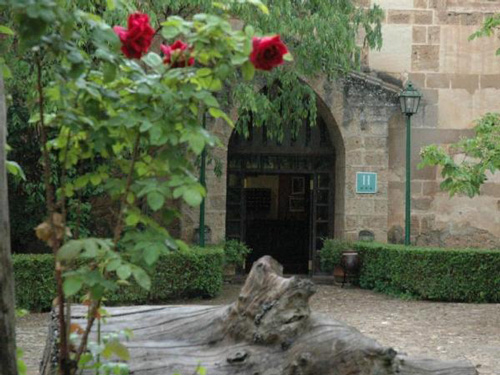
[(137, 39), (267, 52), (176, 55)]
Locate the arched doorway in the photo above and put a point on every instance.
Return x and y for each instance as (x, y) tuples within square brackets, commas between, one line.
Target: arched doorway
[(281, 195)]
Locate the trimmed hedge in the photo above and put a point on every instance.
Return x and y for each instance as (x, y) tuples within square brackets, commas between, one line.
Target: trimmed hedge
[(431, 273), (182, 274)]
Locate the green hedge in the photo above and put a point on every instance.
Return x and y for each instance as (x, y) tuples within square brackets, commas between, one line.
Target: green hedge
[(182, 274), (431, 273)]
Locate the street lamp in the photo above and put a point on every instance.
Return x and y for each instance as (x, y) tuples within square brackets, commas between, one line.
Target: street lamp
[(409, 99)]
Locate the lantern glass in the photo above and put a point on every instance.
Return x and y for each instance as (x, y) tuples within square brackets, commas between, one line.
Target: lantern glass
[(409, 100)]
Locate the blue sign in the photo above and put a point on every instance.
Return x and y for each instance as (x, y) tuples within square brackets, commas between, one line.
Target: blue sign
[(366, 182)]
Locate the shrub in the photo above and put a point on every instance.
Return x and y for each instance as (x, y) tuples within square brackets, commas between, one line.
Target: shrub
[(331, 253), (431, 273), (182, 274), (235, 252)]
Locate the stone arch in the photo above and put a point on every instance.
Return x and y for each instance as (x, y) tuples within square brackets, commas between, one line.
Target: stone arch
[(357, 110)]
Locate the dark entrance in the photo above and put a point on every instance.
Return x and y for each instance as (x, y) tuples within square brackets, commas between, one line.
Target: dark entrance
[(280, 195)]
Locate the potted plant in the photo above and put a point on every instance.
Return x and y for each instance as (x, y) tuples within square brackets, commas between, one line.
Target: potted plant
[(235, 253), (337, 256)]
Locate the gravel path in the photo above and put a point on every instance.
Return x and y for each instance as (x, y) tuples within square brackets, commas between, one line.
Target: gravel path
[(440, 330)]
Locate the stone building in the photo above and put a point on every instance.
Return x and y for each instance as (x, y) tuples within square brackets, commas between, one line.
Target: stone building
[(282, 199)]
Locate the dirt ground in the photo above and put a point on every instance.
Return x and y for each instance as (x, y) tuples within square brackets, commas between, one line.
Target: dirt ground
[(419, 328)]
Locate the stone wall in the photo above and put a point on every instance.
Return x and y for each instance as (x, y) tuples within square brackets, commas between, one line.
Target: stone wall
[(427, 42), (357, 111)]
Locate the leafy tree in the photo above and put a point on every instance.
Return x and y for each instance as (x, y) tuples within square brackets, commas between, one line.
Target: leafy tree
[(325, 37), (114, 114), (465, 164)]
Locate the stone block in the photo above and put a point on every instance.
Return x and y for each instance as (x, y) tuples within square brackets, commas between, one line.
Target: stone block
[(448, 18), (491, 190), (416, 188), (433, 34), (420, 4), (360, 206), (455, 109), (422, 17), (395, 54), (375, 143), (394, 4), (429, 96), (468, 19), (485, 100), (399, 16), (425, 58), (427, 223), (422, 204), (490, 81), (418, 79), (352, 222), (458, 55), (469, 82), (419, 34), (379, 158), (372, 223), (437, 4), (438, 80), (415, 225), (362, 3), (381, 206), (430, 188), (430, 116), (417, 17), (354, 158), (353, 143)]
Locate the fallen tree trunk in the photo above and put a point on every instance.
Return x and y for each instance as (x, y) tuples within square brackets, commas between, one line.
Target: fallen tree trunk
[(269, 330)]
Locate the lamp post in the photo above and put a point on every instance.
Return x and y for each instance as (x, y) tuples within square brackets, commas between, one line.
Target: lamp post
[(409, 99)]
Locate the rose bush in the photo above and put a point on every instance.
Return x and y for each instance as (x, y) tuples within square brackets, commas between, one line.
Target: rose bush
[(137, 39), (129, 128), (268, 52), (177, 55)]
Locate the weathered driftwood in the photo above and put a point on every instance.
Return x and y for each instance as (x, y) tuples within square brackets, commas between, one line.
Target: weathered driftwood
[(269, 330)]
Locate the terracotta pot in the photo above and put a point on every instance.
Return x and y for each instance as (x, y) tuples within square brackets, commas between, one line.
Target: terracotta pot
[(350, 261), (349, 267)]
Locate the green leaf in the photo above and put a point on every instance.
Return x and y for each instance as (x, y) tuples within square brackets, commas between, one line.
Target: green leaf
[(142, 278), (217, 113), (6, 71), (132, 219), (111, 4), (259, 4), (116, 348), (70, 250), (152, 60), (90, 246), (113, 265), (95, 179), (81, 181), (192, 197), (6, 30), (109, 71), (72, 285), (124, 271), (15, 169), (155, 200), (248, 71), (288, 57), (151, 255)]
